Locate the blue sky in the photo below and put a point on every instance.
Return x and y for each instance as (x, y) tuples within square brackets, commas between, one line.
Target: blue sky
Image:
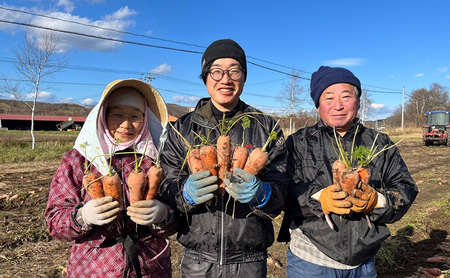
[(387, 44)]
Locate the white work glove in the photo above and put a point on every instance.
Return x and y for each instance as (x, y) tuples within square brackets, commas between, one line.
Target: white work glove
[(100, 211), (147, 212)]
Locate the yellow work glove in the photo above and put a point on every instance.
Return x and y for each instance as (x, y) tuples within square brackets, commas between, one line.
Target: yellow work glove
[(332, 199), (364, 200)]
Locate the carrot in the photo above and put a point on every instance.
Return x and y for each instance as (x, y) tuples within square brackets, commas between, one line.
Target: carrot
[(93, 185), (364, 174), (208, 155), (349, 180), (112, 186), (256, 161), (439, 259), (155, 175), (223, 160), (338, 167), (137, 184), (240, 155), (194, 161)]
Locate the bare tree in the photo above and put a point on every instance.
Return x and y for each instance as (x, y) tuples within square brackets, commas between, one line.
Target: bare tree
[(423, 100), (36, 59), (291, 96)]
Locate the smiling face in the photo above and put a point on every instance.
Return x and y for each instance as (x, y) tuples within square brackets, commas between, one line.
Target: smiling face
[(124, 122), (225, 93), (338, 106)]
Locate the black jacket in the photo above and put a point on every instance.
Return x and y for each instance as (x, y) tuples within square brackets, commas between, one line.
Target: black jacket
[(210, 231), (310, 159)]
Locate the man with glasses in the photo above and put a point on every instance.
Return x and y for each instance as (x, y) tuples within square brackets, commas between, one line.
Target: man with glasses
[(224, 235)]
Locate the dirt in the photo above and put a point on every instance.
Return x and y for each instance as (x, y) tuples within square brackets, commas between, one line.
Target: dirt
[(26, 249)]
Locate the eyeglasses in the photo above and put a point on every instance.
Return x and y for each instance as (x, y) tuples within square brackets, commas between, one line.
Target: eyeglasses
[(233, 74), (117, 117)]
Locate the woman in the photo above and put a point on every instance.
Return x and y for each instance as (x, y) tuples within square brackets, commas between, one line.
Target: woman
[(112, 238)]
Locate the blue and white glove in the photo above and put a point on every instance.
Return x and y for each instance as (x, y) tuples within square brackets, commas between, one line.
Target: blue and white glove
[(199, 188), (246, 188)]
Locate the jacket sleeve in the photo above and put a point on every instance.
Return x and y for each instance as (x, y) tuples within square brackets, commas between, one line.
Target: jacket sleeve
[(65, 194), (396, 185), (174, 163)]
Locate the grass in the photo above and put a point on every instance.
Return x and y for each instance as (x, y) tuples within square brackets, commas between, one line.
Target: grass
[(15, 146)]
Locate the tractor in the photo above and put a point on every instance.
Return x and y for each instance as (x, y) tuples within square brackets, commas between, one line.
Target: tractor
[(437, 128)]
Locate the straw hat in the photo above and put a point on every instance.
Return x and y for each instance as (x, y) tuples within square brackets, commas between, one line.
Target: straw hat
[(154, 99)]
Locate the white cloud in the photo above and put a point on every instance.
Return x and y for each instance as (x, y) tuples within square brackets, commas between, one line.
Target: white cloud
[(67, 5), (419, 75), (66, 100), (447, 77), (88, 101), (191, 101), (120, 20), (162, 69), (441, 70), (346, 62), (377, 105), (42, 96)]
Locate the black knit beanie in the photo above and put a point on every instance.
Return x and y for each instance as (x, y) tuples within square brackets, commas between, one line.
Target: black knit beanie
[(327, 76), (225, 48)]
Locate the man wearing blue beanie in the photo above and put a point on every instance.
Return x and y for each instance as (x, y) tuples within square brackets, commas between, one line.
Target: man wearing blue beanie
[(333, 233)]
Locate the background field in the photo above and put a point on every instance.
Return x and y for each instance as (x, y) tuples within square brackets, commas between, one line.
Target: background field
[(26, 249)]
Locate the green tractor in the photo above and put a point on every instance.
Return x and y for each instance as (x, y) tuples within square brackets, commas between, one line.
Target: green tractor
[(437, 128)]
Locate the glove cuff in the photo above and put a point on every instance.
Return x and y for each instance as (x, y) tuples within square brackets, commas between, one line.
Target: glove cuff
[(262, 195), (186, 196)]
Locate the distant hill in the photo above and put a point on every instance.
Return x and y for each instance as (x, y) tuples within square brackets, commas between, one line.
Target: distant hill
[(8, 106)]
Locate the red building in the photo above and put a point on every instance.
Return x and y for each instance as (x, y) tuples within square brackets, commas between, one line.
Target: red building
[(23, 122)]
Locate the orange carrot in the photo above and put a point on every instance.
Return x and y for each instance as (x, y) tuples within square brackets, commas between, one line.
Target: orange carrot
[(364, 174), (208, 154), (93, 185), (439, 259), (240, 155), (155, 175), (338, 167), (256, 161), (112, 186), (137, 184), (223, 160), (194, 161), (349, 180)]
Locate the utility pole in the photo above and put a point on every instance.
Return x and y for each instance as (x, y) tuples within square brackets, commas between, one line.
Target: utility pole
[(148, 78), (291, 106), (403, 107)]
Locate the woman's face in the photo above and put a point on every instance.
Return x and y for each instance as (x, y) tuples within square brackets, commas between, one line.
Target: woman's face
[(124, 122)]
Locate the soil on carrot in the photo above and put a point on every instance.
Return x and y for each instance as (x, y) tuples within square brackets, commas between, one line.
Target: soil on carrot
[(26, 248)]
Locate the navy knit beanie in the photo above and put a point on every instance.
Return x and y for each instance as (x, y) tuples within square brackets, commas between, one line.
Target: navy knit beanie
[(327, 76), (225, 48)]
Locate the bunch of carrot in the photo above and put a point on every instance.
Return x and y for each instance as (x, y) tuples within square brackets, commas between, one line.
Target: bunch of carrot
[(349, 178), (142, 186)]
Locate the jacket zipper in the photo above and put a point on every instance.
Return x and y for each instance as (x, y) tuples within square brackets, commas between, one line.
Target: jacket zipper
[(222, 240)]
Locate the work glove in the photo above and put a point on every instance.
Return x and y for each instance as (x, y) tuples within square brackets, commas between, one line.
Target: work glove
[(332, 199), (364, 200), (246, 188), (100, 211), (199, 188), (147, 212)]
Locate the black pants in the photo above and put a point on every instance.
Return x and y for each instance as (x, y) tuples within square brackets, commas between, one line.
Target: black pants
[(193, 268)]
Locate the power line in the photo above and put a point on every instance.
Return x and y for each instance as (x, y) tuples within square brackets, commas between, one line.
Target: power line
[(99, 27), (98, 37)]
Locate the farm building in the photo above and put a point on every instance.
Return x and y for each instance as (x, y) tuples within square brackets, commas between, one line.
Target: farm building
[(23, 122)]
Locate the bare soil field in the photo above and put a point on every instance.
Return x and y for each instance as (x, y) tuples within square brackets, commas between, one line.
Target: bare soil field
[(27, 250)]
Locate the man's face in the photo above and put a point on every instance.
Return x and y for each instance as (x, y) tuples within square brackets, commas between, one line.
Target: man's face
[(338, 106), (225, 92)]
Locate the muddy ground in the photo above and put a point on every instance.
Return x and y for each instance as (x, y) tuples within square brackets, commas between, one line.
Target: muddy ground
[(27, 250)]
